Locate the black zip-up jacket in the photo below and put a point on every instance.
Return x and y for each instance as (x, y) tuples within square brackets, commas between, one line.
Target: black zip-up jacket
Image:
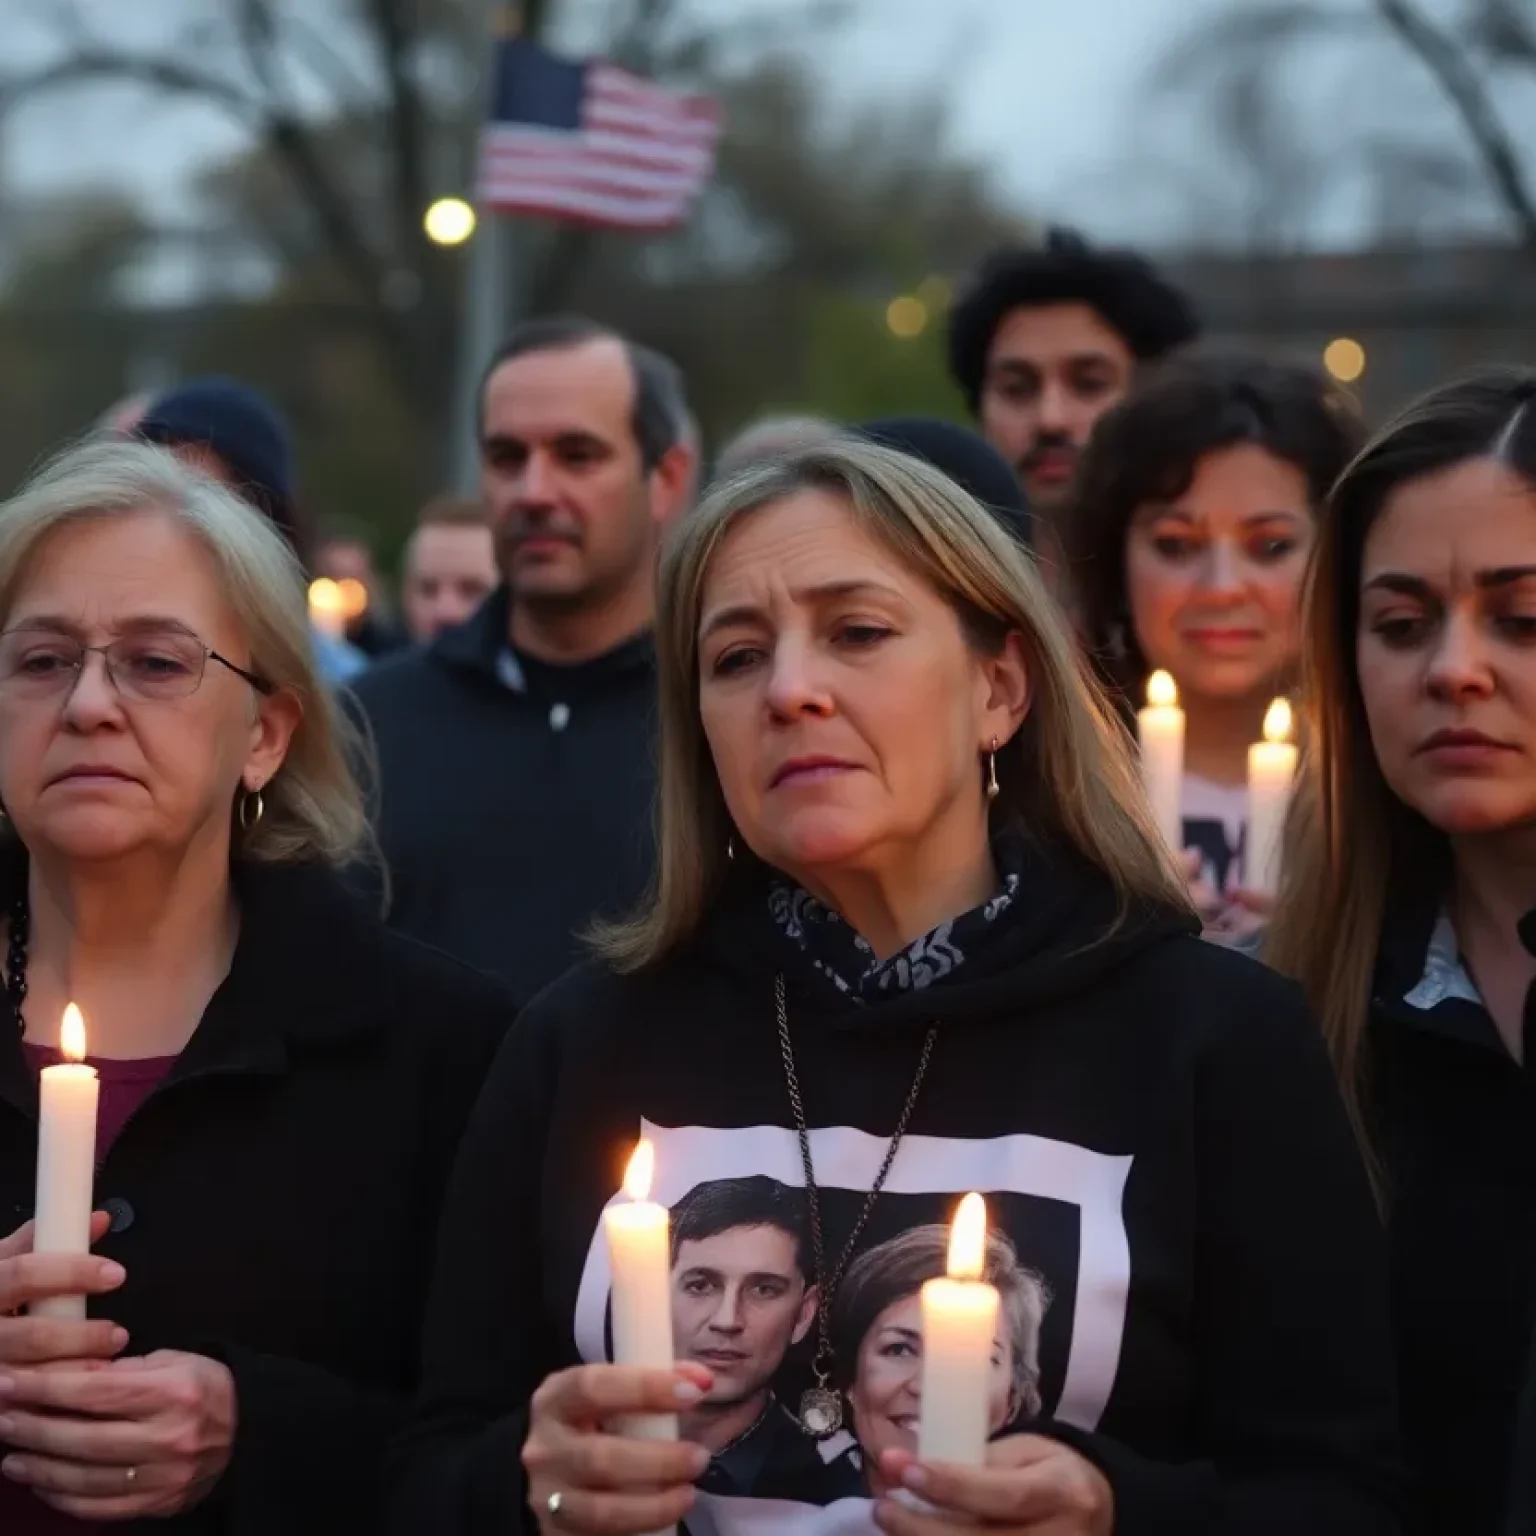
[(276, 1198), (1154, 1124), (515, 797), (1456, 1121)]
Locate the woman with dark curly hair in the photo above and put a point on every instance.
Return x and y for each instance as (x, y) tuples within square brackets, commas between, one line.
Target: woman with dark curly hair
[(1196, 510)]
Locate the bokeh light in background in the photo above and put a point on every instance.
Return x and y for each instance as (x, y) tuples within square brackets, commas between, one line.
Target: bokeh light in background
[(449, 221), (1344, 358), (906, 316)]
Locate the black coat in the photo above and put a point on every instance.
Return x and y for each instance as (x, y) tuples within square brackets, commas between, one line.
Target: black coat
[(515, 796), (1455, 1118), (277, 1196)]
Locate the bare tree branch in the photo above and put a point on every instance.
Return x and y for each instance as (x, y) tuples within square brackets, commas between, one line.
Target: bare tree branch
[(1453, 72), (168, 75)]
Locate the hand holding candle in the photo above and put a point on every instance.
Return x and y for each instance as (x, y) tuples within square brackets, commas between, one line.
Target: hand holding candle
[(959, 1334), (640, 1256), (1160, 730), (1271, 773), (66, 1159)]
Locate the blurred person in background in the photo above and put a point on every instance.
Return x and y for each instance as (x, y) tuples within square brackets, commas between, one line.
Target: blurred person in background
[(230, 431), (344, 553), (1408, 905), (1042, 342), (449, 567), (283, 1081), (1196, 510), (968, 459), (516, 753), (771, 435)]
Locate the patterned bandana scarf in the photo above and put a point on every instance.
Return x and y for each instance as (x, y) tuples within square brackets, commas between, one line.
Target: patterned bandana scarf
[(847, 961)]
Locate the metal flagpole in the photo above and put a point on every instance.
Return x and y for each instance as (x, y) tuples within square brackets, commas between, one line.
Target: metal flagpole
[(486, 306)]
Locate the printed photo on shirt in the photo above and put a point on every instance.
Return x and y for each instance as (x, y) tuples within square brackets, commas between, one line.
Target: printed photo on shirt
[(745, 1303)]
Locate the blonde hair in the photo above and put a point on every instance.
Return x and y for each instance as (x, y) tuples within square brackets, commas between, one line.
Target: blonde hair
[(1069, 774), (313, 807)]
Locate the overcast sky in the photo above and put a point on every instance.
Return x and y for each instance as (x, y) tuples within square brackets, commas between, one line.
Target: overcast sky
[(1054, 95)]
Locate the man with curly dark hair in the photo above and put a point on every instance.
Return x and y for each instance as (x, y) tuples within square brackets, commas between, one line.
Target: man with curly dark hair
[(1044, 340)]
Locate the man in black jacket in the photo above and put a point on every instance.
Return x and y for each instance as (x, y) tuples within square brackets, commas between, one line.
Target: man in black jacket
[(515, 753)]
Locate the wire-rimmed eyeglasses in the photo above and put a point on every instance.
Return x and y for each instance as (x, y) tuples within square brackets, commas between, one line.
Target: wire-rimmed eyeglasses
[(151, 665)]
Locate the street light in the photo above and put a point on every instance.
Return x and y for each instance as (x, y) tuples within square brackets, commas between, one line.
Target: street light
[(1344, 358), (906, 316), (449, 221)]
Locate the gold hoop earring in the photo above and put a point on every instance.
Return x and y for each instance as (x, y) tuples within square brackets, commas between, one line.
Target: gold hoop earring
[(252, 809), (994, 789)]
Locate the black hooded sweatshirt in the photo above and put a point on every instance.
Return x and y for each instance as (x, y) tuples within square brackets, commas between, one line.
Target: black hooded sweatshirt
[(1153, 1122)]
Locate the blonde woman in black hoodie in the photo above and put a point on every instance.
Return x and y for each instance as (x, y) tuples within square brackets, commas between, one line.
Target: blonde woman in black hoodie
[(913, 935)]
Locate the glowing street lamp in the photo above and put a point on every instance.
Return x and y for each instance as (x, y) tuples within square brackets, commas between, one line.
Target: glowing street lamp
[(449, 221), (1344, 358)]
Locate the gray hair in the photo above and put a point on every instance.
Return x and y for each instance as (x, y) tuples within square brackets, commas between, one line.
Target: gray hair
[(771, 437), (313, 807)]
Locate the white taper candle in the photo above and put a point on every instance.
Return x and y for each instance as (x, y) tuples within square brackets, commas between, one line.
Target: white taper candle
[(66, 1160), (959, 1333), (1160, 731), (1271, 774)]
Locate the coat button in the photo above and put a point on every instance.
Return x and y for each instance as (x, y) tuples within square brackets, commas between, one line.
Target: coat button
[(121, 1213)]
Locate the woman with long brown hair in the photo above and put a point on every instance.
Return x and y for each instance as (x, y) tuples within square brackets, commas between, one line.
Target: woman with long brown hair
[(1409, 908), (913, 935)]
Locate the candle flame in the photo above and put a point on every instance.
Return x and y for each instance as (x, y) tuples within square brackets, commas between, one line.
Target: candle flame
[(1277, 721), (1162, 691), (326, 596), (637, 1176), (72, 1035), (352, 598), (968, 1239)]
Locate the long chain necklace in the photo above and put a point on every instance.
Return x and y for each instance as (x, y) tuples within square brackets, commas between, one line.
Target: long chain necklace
[(821, 1409), (16, 959)]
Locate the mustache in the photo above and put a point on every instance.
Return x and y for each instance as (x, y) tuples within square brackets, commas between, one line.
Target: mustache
[(517, 530), (1048, 442)]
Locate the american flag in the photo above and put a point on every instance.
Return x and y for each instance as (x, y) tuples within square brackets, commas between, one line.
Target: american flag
[(593, 144)]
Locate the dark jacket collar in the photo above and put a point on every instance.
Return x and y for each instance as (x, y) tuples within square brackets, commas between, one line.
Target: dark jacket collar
[(480, 646), (305, 976), (1407, 932), (1067, 928)]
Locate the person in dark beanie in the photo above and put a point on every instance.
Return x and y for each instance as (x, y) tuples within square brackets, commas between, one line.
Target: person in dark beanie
[(968, 459), (1044, 340), (234, 433)]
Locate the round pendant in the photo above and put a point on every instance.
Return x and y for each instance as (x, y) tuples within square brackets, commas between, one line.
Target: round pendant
[(821, 1412)]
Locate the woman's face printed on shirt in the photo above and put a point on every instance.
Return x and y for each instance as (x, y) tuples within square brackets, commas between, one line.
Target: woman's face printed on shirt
[(1446, 646), (886, 1392), (1214, 577)]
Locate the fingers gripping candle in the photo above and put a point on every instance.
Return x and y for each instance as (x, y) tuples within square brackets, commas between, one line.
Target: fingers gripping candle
[(1160, 730), (1271, 773), (640, 1256), (66, 1159), (959, 1333)]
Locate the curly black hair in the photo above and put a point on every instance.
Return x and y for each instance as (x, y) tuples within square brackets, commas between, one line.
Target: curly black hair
[(1125, 289), (1148, 448)]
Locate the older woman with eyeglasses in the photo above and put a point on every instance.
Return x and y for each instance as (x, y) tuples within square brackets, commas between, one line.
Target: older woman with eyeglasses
[(283, 1082)]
